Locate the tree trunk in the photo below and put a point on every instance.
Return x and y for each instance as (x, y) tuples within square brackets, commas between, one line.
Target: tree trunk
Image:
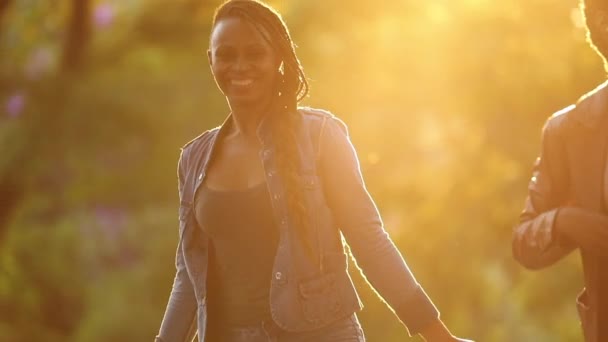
[(78, 35), (3, 7)]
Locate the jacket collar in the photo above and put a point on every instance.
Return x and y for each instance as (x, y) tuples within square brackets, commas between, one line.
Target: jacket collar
[(262, 132)]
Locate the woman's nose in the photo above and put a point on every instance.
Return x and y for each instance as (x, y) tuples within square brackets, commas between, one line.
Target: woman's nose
[(241, 64)]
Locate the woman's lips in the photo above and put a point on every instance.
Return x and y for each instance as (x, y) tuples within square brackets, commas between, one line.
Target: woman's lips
[(241, 83)]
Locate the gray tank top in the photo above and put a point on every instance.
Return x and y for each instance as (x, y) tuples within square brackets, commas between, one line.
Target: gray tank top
[(244, 239)]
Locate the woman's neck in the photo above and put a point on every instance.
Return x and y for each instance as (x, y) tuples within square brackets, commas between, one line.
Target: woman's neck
[(246, 119)]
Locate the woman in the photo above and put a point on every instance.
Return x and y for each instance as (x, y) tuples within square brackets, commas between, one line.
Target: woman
[(260, 256)]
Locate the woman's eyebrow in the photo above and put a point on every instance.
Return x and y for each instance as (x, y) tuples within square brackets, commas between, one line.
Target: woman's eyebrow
[(249, 45)]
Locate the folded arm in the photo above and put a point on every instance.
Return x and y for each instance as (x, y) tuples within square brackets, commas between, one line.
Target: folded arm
[(536, 243)]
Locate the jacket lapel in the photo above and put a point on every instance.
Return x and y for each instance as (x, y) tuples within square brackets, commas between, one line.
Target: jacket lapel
[(588, 149)]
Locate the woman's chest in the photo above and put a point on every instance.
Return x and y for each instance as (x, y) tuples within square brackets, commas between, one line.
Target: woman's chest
[(235, 168)]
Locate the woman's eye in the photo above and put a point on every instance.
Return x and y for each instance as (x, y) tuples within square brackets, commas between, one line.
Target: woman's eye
[(225, 56), (255, 54)]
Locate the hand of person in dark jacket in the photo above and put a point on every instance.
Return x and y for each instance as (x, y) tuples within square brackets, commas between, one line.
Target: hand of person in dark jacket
[(584, 228)]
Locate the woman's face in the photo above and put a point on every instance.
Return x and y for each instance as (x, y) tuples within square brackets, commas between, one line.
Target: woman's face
[(244, 64)]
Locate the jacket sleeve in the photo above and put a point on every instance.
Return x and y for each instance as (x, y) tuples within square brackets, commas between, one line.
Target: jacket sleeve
[(179, 322), (357, 216), (535, 242)]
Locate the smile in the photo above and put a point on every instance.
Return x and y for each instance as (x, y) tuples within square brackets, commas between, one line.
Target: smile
[(241, 83)]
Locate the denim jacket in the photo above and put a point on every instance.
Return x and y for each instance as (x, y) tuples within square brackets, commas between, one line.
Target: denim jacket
[(308, 290)]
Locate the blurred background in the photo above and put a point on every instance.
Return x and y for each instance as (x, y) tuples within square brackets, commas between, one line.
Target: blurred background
[(445, 101)]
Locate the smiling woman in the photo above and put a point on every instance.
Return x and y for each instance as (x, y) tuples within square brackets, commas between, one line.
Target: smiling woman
[(244, 64), (264, 201)]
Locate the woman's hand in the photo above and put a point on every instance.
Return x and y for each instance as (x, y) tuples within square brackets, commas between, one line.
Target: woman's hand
[(448, 339), (438, 332)]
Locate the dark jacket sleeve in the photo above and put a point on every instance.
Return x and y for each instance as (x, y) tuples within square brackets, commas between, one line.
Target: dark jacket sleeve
[(179, 322), (535, 241), (357, 216)]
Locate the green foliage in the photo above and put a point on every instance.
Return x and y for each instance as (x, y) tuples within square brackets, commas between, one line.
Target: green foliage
[(42, 282), (444, 100)]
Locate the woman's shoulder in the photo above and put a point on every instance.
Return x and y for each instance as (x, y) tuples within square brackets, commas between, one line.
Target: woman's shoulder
[(201, 140), (312, 113), (319, 118)]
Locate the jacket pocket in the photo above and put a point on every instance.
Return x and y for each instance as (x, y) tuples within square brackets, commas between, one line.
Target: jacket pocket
[(320, 299), (582, 304)]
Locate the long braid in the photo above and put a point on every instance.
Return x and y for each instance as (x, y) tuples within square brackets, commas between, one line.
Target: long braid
[(292, 88)]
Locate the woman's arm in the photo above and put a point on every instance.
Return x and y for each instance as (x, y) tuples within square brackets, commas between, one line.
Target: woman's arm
[(357, 216), (179, 322)]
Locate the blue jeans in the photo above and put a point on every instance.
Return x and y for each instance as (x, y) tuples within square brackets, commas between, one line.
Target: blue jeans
[(343, 330)]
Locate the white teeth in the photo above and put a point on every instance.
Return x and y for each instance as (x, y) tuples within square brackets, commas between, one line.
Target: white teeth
[(241, 83)]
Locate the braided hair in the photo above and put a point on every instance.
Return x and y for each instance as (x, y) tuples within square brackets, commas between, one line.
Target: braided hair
[(292, 88), (596, 21)]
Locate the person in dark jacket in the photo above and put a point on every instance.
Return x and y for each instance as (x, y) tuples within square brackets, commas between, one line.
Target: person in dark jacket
[(567, 204), (264, 202)]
